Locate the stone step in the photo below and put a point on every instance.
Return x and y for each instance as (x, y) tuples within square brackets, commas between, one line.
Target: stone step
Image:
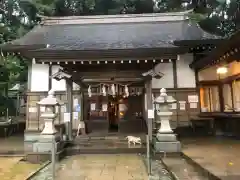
[(103, 150), (110, 144), (122, 138)]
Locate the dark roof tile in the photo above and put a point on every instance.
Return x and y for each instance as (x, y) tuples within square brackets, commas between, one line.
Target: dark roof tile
[(113, 35)]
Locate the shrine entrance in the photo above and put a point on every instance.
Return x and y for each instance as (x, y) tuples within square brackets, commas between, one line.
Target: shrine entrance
[(110, 112), (113, 113)]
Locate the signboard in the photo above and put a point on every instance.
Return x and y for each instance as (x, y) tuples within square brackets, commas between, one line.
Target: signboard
[(75, 115), (193, 98), (182, 105), (66, 117), (75, 102), (32, 109), (150, 114), (63, 108), (78, 108), (93, 107), (104, 107), (174, 106), (193, 105)]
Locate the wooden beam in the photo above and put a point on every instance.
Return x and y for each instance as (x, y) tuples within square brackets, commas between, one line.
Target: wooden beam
[(109, 67), (106, 74), (113, 54), (175, 80), (191, 43)]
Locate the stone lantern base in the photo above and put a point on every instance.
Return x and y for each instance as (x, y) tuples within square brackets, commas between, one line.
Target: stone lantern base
[(45, 143), (166, 142), (165, 139)]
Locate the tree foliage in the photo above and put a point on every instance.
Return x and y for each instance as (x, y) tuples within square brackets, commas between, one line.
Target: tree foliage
[(17, 17), (221, 17), (216, 16), (13, 24)]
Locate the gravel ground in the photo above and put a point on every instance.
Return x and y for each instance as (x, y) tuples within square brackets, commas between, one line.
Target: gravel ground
[(11, 168)]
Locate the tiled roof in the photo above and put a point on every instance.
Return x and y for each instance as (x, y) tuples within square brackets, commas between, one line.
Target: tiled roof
[(154, 31)]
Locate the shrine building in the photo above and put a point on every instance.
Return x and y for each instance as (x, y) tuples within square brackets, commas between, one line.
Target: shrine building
[(107, 68)]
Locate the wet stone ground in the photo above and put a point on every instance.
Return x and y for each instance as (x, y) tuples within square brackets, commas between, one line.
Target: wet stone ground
[(104, 167), (98, 167)]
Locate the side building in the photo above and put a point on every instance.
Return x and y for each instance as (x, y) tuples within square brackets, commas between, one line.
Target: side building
[(218, 82)]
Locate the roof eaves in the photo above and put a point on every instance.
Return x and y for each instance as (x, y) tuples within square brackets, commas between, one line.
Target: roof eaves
[(222, 48)]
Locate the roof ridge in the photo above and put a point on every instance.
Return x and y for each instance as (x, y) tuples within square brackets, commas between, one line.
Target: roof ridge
[(121, 18)]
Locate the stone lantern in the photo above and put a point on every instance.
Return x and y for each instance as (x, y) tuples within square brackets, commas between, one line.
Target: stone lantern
[(165, 140), (50, 103), (49, 134)]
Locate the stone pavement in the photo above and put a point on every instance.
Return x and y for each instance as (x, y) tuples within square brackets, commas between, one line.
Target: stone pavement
[(220, 156), (98, 167)]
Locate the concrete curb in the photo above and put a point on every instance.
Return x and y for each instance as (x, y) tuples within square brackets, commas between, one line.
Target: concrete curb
[(173, 175), (198, 166), (156, 177), (37, 171)]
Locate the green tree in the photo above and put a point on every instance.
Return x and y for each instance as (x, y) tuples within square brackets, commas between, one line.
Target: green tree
[(14, 22), (221, 17)]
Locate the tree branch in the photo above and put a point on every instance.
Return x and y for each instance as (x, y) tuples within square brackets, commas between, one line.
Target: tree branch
[(3, 10)]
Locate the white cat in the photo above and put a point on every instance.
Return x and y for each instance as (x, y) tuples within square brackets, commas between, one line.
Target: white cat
[(134, 140)]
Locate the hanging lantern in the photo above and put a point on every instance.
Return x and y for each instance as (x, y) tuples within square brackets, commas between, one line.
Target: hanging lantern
[(89, 91), (104, 90), (33, 61), (138, 92), (126, 90), (113, 90), (222, 70)]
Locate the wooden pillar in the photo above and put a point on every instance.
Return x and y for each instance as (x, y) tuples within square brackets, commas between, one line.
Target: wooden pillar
[(50, 77), (82, 102), (175, 80), (69, 108), (149, 106)]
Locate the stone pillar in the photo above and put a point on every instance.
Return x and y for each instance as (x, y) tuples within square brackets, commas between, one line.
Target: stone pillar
[(165, 140), (49, 133), (69, 108)]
